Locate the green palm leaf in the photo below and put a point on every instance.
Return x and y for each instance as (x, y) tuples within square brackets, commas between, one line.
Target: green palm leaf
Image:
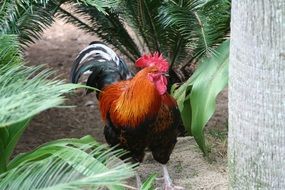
[(9, 50), (27, 19), (101, 5), (141, 14), (108, 27), (152, 35), (203, 23), (68, 164), (26, 91)]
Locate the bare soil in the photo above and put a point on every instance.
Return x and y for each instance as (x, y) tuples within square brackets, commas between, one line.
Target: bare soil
[(188, 168)]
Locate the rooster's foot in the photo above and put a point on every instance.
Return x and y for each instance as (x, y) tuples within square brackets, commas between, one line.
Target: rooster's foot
[(168, 185)]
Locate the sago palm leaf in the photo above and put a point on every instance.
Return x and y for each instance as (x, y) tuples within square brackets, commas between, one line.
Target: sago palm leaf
[(26, 91), (101, 5), (203, 23), (68, 164), (9, 50), (142, 16), (133, 28), (181, 30), (108, 27), (27, 18)]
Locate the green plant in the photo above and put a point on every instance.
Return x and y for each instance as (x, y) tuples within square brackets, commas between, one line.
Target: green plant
[(28, 18), (25, 91), (10, 50), (67, 164), (182, 30), (196, 97), (202, 24), (148, 184)]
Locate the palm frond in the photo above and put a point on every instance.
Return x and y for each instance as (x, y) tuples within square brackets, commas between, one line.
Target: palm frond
[(109, 27), (141, 16), (203, 24), (181, 30), (213, 13), (27, 19), (10, 53), (26, 91), (102, 5), (68, 164)]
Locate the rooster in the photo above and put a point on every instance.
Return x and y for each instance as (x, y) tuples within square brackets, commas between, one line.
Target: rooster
[(137, 110)]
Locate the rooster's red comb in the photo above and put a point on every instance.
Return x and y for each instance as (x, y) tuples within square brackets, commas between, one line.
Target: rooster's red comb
[(151, 60)]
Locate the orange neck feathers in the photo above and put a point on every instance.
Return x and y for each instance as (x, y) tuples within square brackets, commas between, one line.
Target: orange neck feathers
[(129, 103)]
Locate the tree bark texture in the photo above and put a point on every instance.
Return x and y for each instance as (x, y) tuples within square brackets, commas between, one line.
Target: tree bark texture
[(256, 151)]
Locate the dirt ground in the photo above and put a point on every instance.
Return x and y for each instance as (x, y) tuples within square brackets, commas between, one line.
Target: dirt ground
[(188, 168)]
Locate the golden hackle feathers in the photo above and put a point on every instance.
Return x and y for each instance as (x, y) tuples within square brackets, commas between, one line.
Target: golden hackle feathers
[(129, 103)]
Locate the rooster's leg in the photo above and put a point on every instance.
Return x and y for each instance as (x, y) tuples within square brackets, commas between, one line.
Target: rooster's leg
[(139, 182), (168, 185)]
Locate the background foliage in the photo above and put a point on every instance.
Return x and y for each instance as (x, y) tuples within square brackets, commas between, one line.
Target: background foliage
[(183, 30)]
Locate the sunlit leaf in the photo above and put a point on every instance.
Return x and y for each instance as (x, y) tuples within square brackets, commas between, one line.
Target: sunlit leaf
[(208, 80), (26, 91), (74, 164)]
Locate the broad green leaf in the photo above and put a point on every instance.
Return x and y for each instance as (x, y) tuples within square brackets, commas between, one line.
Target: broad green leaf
[(186, 114), (4, 135), (208, 80), (15, 132), (9, 138)]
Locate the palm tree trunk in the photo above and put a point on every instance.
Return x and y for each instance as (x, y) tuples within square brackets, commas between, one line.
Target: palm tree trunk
[(257, 95)]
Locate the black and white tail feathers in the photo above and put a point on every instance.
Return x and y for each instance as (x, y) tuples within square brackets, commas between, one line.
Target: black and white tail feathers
[(102, 63)]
